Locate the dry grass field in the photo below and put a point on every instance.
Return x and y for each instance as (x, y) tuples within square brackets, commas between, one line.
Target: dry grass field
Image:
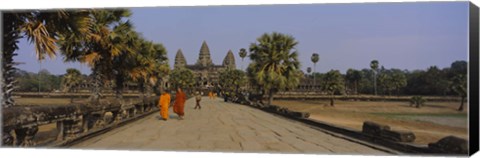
[(429, 123), (55, 101), (43, 101)]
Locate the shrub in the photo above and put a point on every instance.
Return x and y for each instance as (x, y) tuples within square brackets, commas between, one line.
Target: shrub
[(418, 101)]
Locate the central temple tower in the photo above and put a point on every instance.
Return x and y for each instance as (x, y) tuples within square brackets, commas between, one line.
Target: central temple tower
[(204, 59), (205, 71)]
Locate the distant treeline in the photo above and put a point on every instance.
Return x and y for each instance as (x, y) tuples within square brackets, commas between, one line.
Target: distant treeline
[(42, 81), (432, 81)]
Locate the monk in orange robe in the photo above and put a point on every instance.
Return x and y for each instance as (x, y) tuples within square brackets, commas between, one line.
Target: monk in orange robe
[(163, 104), (210, 95), (179, 105)]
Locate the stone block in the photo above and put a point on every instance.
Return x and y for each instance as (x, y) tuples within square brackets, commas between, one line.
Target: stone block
[(451, 145), (398, 136), (373, 128)]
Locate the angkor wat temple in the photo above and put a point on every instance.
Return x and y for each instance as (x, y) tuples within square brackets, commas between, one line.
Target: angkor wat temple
[(204, 69)]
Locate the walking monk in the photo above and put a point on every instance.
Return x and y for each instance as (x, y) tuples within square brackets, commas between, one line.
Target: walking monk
[(163, 104), (179, 105), (210, 95)]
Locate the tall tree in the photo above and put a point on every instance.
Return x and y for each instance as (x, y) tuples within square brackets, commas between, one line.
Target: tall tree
[(129, 63), (353, 77), (42, 28), (314, 58), (71, 80), (274, 63), (459, 86), (309, 70), (374, 67), (398, 79), (183, 78), (459, 67), (435, 81), (242, 54), (365, 84), (100, 48), (232, 79), (333, 83), (151, 68), (384, 81)]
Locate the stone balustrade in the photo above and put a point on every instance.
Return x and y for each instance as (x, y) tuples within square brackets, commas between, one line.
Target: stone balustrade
[(21, 123)]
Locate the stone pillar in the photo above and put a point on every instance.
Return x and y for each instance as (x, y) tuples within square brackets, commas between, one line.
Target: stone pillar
[(25, 136), (72, 128), (60, 130), (7, 138)]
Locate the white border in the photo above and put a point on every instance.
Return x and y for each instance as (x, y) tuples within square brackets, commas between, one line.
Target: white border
[(44, 4), (61, 153)]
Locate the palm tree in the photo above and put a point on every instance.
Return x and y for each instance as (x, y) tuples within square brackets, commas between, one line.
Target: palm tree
[(315, 58), (274, 63), (309, 70), (71, 80), (333, 83), (132, 65), (350, 78), (243, 54), (374, 67), (151, 66), (102, 47), (357, 76), (459, 86), (42, 28)]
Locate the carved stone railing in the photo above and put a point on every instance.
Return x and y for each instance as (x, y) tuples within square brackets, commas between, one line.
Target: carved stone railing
[(73, 122)]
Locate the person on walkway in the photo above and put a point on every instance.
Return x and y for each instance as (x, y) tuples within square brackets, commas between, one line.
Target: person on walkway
[(198, 98), (179, 105), (210, 95), (163, 104), (226, 96)]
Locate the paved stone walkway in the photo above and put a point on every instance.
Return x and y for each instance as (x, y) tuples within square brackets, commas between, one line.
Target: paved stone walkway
[(223, 127)]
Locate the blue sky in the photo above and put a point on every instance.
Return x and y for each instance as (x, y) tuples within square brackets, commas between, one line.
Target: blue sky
[(399, 35)]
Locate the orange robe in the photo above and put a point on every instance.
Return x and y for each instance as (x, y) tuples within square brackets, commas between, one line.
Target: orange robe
[(163, 103), (179, 105)]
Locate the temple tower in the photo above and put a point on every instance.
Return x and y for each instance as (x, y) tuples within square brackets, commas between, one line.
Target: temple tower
[(229, 60), (180, 60), (204, 59)]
